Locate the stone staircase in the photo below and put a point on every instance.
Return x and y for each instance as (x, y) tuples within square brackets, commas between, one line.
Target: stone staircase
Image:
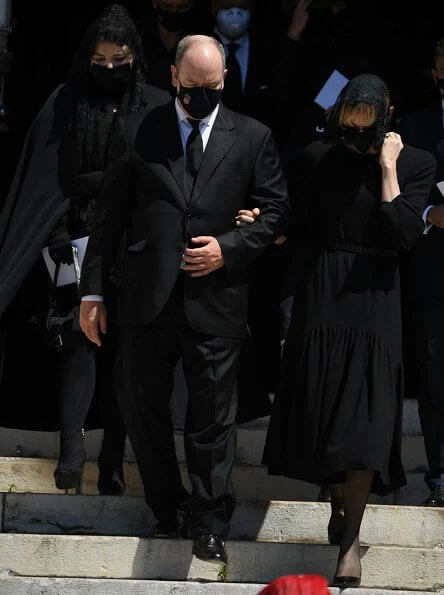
[(51, 542)]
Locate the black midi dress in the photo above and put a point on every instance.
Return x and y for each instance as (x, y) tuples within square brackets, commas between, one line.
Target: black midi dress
[(338, 406)]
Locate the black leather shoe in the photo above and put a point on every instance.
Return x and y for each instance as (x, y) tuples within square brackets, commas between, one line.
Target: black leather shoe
[(346, 582), (210, 548), (435, 498), (166, 529)]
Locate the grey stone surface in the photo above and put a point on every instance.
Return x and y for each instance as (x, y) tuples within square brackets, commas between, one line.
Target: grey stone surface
[(134, 558), (10, 585), (274, 521), (57, 586)]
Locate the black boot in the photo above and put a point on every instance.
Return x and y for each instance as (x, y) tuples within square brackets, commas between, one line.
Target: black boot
[(69, 472)]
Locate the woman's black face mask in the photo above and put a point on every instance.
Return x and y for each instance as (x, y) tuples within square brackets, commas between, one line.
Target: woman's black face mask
[(362, 139), (111, 79)]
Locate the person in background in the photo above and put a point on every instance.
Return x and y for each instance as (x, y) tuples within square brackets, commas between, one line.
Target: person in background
[(249, 55), (358, 197), (185, 285), (76, 134), (161, 29), (424, 128)]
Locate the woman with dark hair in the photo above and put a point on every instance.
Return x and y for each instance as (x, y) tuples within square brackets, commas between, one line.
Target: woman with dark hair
[(73, 139), (358, 197)]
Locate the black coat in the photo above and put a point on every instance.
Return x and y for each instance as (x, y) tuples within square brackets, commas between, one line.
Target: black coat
[(143, 196), (33, 207)]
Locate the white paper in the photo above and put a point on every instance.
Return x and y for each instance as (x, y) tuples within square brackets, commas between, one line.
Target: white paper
[(67, 272), (330, 91), (440, 186)]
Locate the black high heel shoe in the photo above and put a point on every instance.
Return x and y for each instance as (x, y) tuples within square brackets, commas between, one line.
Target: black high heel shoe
[(346, 582), (69, 471), (335, 529)]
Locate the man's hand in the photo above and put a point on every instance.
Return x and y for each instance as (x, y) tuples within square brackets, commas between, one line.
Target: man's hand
[(204, 260), (93, 320)]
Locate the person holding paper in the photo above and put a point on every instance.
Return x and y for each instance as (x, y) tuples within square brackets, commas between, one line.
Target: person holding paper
[(358, 198), (75, 136), (424, 128)]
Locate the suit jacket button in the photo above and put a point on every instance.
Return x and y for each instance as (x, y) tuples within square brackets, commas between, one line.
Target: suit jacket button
[(188, 218), (179, 248)]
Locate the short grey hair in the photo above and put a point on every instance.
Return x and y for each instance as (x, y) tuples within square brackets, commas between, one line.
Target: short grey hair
[(185, 44)]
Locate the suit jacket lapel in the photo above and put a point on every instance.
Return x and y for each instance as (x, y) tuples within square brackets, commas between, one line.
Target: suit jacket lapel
[(221, 139), (172, 144)]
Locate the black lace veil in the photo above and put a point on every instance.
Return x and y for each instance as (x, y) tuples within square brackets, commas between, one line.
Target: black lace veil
[(362, 90)]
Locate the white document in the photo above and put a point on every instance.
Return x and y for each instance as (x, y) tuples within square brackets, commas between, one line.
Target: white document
[(330, 91), (440, 186), (67, 272)]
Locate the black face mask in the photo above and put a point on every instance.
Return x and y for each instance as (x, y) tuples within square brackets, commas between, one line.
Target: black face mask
[(440, 83), (111, 79), (173, 21), (199, 101), (362, 140)]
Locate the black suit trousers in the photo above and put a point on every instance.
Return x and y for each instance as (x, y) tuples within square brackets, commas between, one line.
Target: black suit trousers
[(144, 379)]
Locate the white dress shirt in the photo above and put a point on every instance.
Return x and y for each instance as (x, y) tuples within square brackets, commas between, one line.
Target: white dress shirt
[(185, 128), (242, 52)]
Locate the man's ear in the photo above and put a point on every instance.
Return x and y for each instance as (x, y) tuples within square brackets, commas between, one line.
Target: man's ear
[(174, 76)]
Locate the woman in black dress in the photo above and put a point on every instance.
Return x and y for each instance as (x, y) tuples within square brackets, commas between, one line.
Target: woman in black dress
[(336, 419)]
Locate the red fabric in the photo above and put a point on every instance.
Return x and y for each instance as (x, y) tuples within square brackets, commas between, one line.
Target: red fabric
[(297, 584)]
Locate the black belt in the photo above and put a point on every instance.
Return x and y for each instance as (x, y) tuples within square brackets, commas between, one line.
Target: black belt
[(361, 249)]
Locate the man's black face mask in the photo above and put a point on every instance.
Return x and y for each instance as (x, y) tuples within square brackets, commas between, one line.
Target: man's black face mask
[(174, 21), (362, 139)]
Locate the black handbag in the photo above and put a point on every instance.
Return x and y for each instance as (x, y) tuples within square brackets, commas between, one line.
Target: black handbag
[(63, 332)]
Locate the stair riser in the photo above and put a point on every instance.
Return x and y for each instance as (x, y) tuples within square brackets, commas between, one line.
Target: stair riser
[(95, 557), (302, 522)]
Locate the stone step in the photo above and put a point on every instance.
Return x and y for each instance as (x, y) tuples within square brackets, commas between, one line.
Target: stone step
[(36, 475), (119, 557), (15, 585), (270, 521)]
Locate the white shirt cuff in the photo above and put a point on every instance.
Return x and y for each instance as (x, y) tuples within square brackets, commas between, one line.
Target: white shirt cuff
[(427, 224), (92, 298)]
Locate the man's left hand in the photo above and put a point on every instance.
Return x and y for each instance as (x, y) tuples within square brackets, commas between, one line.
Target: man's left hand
[(205, 259)]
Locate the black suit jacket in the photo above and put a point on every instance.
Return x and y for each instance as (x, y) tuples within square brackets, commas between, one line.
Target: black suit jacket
[(257, 99), (423, 128), (144, 199)]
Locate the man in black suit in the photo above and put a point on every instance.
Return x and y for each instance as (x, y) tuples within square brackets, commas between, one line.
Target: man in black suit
[(174, 198), (424, 128), (249, 58)]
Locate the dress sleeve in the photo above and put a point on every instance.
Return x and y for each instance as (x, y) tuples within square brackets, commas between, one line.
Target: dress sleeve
[(405, 211)]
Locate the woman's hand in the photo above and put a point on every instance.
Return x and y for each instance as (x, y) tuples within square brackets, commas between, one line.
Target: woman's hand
[(390, 150), (246, 217)]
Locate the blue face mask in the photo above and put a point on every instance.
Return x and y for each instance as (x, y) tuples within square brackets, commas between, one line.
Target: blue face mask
[(233, 22)]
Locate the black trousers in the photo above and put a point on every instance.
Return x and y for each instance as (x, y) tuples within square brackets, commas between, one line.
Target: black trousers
[(145, 366)]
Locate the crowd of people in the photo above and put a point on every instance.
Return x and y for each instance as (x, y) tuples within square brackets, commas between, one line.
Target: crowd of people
[(263, 252)]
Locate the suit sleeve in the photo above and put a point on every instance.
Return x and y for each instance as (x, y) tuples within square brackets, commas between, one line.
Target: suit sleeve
[(107, 229), (405, 212), (269, 193)]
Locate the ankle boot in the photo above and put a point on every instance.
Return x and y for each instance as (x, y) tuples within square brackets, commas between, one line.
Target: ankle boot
[(69, 471)]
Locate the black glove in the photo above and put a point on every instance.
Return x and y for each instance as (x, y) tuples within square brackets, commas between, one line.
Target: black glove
[(60, 249)]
